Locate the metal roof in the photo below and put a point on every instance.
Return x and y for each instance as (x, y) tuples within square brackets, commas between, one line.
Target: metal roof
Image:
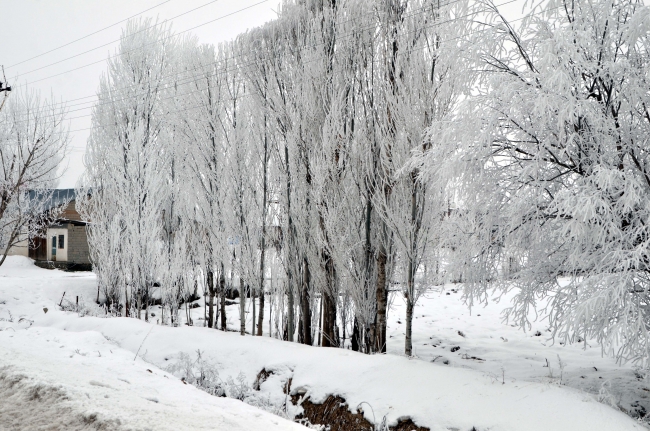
[(51, 198)]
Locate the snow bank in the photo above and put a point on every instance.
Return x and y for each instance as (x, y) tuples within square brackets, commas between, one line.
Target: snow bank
[(63, 380), (445, 330), (441, 397)]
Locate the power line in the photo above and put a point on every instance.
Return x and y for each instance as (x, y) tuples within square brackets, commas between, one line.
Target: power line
[(96, 62), (142, 47), (117, 40), (88, 35), (193, 79), (205, 65), (248, 94)]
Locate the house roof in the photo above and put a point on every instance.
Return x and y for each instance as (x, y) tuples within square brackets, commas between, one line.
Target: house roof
[(64, 221), (52, 198)]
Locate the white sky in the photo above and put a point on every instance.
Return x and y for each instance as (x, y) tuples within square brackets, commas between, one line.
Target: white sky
[(33, 27)]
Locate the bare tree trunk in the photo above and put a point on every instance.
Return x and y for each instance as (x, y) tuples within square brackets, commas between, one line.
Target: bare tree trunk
[(271, 308), (211, 298), (344, 319), (216, 305), (410, 297), (320, 321), (305, 304), (205, 307), (126, 301), (329, 321), (382, 300), (254, 319), (260, 317), (328, 305), (222, 297), (138, 304), (356, 335), (416, 220), (409, 324), (263, 243), (291, 310), (242, 306), (291, 319)]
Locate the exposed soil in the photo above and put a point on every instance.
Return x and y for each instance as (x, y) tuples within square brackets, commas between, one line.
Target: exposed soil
[(335, 413), (261, 378)]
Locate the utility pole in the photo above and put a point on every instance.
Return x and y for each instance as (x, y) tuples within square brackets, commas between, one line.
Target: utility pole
[(3, 87)]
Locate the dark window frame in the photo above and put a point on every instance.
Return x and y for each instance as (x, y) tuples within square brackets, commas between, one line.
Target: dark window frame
[(61, 242)]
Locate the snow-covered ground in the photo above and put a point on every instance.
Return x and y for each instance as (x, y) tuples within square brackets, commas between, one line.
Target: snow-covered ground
[(481, 341), (55, 379), (62, 380), (82, 370)]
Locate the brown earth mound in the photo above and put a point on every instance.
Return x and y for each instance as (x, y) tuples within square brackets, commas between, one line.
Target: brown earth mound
[(335, 413)]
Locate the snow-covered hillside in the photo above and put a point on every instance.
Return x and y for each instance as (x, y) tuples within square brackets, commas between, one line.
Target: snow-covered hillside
[(53, 379), (81, 371), (61, 380)]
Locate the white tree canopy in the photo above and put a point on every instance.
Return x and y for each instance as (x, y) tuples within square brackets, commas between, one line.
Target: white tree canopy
[(547, 161)]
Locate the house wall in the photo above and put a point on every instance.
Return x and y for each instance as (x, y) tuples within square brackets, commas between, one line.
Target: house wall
[(61, 253), (78, 240)]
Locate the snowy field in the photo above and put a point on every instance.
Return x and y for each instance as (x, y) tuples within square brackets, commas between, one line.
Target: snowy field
[(59, 370), (53, 379)]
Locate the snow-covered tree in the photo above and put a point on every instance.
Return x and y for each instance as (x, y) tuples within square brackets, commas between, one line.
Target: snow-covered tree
[(547, 161), (33, 142), (125, 185)]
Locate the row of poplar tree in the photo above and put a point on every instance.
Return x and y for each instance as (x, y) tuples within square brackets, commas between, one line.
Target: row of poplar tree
[(352, 152)]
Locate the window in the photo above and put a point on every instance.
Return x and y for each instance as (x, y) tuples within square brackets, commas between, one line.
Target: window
[(61, 241)]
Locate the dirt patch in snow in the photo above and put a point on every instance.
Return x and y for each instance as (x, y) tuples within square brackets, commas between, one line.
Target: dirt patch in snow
[(261, 378), (335, 414), (408, 425), (30, 406)]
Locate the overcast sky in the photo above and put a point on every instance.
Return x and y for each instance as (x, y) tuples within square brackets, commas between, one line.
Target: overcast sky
[(32, 28)]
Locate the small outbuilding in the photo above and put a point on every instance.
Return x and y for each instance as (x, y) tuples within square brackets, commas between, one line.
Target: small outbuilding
[(64, 243)]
